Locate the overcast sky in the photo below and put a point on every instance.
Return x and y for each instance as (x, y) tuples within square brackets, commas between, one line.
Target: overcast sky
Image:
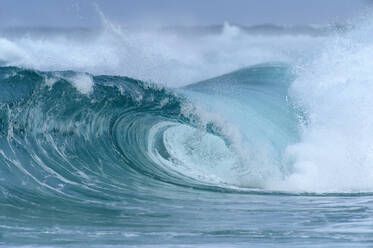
[(83, 13)]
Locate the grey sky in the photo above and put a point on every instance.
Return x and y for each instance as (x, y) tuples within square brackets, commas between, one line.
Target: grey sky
[(82, 13)]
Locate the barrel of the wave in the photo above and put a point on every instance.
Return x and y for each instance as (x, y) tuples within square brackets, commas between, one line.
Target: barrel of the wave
[(254, 115)]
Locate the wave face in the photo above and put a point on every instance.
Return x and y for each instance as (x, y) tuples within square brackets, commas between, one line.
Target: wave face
[(68, 129), (278, 134), (82, 145)]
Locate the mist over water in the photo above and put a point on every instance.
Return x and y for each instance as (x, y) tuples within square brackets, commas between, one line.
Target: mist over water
[(161, 56), (200, 136)]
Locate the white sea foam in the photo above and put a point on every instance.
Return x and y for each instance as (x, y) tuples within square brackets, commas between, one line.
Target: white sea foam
[(83, 82), (336, 150)]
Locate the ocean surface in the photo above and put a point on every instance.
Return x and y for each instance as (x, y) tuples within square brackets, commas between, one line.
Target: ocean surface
[(220, 136)]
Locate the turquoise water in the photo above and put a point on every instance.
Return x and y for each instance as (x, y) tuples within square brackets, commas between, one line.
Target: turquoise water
[(102, 168), (230, 140)]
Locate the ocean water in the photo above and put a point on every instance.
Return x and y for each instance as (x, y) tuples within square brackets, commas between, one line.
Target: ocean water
[(221, 137)]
